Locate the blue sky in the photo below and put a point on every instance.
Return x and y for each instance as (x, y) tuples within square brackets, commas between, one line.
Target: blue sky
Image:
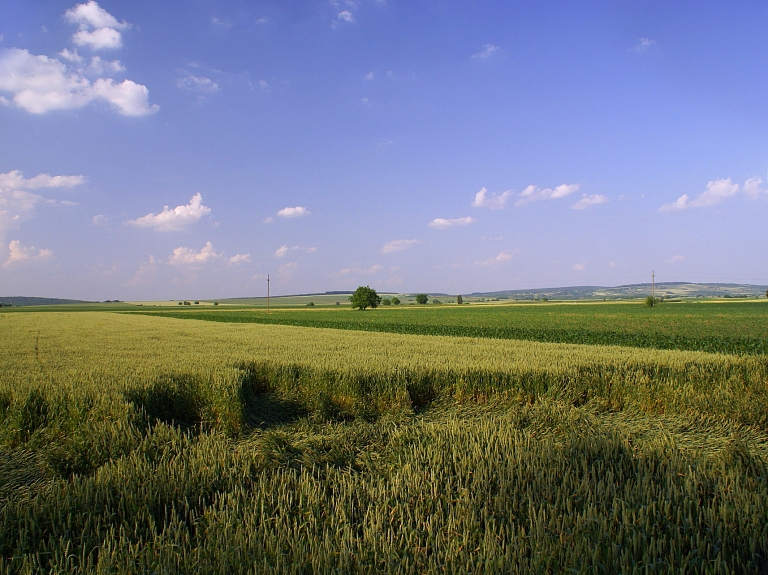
[(149, 151)]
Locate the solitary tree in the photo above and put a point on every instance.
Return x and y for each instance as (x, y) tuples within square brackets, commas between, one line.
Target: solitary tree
[(396, 301), (365, 297), (459, 299), (421, 298)]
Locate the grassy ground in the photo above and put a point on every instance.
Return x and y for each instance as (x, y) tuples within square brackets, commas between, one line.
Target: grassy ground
[(715, 327), (139, 444)]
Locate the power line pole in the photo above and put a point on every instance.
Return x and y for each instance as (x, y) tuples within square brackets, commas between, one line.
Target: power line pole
[(267, 293), (653, 284)]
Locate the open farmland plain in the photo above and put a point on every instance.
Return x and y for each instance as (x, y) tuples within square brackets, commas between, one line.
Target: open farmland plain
[(147, 443)]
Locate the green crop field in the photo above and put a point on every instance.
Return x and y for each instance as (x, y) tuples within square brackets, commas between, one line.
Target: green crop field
[(405, 442), (708, 326)]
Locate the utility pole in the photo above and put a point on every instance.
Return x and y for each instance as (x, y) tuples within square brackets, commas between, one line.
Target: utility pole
[(267, 294), (653, 284)]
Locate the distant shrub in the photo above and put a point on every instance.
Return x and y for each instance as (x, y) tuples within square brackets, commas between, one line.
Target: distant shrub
[(396, 301), (421, 298), (459, 299), (311, 304), (386, 301)]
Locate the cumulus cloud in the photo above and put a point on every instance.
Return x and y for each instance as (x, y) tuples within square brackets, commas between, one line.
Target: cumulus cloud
[(752, 188), (717, 191), (591, 200), (239, 259), (14, 180), (501, 258), (442, 223), (100, 220), (487, 51), (178, 218), (99, 30), (188, 256), (675, 260), (296, 212), (398, 245), (535, 193), (39, 84), (493, 201), (197, 83), (283, 250), (98, 66), (17, 253)]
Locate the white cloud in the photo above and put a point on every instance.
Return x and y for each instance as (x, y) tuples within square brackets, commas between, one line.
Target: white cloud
[(269, 220), (716, 192), (100, 220), (197, 83), (239, 259), (296, 212), (188, 256), (178, 218), (488, 51), (494, 201), (352, 271), (580, 267), (40, 84), (91, 15), (101, 39), (501, 258), (346, 16), (398, 245), (14, 180), (18, 253), (283, 250), (369, 76), (752, 188), (99, 30), (71, 56), (18, 205), (644, 44), (675, 259), (535, 193), (587, 201), (99, 66), (448, 223)]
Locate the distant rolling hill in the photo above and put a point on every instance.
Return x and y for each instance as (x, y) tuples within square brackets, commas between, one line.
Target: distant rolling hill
[(25, 301), (666, 290)]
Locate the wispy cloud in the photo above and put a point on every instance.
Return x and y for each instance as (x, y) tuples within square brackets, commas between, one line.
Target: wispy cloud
[(588, 201), (197, 83), (580, 267), (282, 251), (398, 246), (535, 193), (441, 223), (100, 220), (296, 212), (17, 253), (487, 51), (675, 260), (492, 201), (644, 44), (172, 220), (239, 259), (717, 191), (499, 259), (345, 16), (753, 189), (353, 271)]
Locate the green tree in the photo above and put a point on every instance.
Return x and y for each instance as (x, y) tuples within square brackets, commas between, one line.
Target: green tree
[(396, 301), (421, 298), (386, 301), (459, 299), (766, 293), (364, 297)]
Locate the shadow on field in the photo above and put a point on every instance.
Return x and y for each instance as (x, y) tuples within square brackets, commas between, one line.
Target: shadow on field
[(175, 400), (265, 410)]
